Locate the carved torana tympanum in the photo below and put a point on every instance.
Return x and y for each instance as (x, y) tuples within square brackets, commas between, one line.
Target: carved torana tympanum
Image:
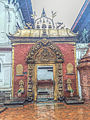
[(46, 51)]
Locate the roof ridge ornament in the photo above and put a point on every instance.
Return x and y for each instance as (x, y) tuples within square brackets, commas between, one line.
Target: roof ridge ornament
[(43, 13), (44, 27), (53, 14)]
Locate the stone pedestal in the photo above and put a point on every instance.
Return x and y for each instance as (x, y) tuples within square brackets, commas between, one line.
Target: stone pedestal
[(84, 69)]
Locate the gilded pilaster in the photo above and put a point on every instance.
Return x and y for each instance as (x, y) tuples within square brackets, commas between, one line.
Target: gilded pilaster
[(12, 71), (76, 69)]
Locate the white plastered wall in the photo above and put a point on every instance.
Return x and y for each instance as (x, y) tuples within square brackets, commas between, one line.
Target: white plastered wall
[(9, 16)]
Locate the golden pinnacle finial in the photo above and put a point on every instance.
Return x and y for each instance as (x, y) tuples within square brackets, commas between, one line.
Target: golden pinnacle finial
[(45, 39)]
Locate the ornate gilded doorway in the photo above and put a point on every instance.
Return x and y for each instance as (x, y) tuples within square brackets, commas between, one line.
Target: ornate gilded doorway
[(44, 53)]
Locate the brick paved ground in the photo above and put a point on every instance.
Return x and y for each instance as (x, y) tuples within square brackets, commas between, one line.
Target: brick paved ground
[(2, 109), (49, 111)]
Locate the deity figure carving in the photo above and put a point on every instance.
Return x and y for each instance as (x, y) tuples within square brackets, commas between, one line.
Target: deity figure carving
[(21, 88)]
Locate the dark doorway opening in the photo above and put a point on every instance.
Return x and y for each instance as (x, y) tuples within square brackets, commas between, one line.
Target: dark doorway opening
[(45, 83)]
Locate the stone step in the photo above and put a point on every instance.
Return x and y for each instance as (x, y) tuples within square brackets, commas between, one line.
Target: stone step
[(14, 102), (44, 99), (1, 104), (5, 95), (74, 100)]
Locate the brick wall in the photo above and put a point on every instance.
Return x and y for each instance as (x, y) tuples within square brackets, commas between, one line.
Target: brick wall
[(69, 57), (20, 53)]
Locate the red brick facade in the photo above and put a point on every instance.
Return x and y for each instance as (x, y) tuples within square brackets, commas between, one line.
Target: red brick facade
[(84, 69), (20, 55)]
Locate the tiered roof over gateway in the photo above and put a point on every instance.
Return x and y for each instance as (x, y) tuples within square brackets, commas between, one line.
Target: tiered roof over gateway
[(44, 27)]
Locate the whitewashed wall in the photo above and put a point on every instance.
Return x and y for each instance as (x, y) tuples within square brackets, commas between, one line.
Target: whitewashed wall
[(5, 74), (9, 17)]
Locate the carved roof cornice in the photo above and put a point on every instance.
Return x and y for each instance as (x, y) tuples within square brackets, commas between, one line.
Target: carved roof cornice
[(64, 32), (33, 35)]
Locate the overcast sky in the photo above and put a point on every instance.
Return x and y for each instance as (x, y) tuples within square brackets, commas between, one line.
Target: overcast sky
[(67, 10)]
